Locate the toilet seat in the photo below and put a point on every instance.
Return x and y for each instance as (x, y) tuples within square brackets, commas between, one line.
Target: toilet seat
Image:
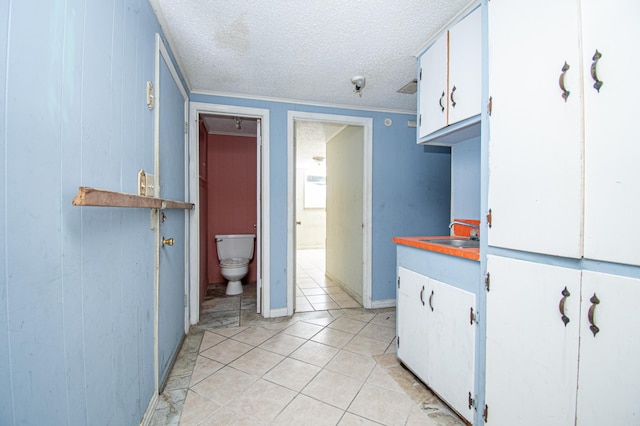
[(234, 262)]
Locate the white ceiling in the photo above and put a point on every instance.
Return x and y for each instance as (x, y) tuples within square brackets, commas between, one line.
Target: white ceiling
[(304, 51)]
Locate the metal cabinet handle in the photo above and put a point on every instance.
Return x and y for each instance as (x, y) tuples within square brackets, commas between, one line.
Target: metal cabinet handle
[(594, 71), (441, 99), (453, 103), (565, 92), (592, 310), (421, 294), (431, 301), (565, 294)]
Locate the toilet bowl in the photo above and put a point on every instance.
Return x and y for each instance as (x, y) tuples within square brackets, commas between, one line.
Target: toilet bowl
[(234, 253)]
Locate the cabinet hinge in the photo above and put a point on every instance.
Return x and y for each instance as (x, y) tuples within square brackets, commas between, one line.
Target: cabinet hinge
[(420, 74), (398, 282), (398, 340), (487, 282), (489, 218), (472, 401), (420, 120), (490, 105), (473, 317), (485, 413)]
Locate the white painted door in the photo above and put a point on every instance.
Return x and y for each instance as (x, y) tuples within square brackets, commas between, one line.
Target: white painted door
[(412, 322), (612, 136), (532, 356), (433, 88), (465, 68), (608, 391), (535, 149), (451, 345)]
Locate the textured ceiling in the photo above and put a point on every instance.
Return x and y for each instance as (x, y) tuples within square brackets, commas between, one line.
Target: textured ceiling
[(305, 51)]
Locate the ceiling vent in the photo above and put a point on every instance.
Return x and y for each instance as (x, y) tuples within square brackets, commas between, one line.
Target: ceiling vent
[(410, 88)]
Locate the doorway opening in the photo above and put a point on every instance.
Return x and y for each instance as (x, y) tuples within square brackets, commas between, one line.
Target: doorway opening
[(229, 179), (329, 212)]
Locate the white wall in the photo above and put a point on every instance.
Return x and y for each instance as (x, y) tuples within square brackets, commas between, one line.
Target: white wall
[(310, 233), (345, 209)]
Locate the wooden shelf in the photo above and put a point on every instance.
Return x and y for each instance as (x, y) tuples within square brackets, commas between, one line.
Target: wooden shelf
[(102, 198)]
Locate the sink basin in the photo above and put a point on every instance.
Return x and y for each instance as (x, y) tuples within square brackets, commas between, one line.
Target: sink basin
[(457, 242)]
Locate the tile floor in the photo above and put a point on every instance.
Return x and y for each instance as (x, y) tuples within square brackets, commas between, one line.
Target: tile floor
[(331, 363)]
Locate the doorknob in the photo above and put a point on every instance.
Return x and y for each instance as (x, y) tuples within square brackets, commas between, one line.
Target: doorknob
[(168, 242)]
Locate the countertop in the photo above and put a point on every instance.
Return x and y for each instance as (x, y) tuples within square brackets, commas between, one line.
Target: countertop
[(466, 253)]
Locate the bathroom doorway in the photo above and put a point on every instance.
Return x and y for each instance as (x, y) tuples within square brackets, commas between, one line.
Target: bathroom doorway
[(230, 177), (329, 212)]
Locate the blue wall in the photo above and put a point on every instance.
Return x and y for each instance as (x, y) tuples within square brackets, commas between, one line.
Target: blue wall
[(411, 189), (76, 284), (465, 180)]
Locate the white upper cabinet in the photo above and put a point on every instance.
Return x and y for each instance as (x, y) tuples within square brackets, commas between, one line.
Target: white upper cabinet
[(612, 136), (535, 149), (450, 77)]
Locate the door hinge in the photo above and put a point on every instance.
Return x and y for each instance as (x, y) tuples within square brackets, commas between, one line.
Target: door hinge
[(485, 413), (420, 74), (398, 282), (487, 282), (472, 402), (490, 105), (186, 127), (489, 218)]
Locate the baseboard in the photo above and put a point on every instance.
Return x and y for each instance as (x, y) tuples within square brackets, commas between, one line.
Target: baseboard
[(281, 312), (388, 303), (151, 408)]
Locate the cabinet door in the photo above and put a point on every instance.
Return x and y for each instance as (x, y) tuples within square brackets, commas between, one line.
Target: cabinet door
[(451, 345), (433, 88), (612, 136), (532, 356), (535, 148), (465, 68), (411, 326), (608, 391)]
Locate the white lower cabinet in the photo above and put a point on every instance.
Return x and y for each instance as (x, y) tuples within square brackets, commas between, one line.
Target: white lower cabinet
[(436, 337), (544, 365)]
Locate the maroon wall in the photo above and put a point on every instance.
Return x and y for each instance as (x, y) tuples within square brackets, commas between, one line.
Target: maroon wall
[(231, 195)]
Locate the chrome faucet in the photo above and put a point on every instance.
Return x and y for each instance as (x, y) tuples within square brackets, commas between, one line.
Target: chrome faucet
[(473, 234)]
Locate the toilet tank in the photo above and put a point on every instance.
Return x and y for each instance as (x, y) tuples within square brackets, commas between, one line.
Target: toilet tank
[(239, 246)]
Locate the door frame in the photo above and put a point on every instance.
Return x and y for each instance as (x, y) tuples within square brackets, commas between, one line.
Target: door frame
[(367, 124), (161, 53), (263, 219)]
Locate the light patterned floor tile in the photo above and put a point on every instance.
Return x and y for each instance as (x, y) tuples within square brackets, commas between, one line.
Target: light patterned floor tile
[(378, 332), (225, 416), (263, 400), (204, 368), (254, 336), (257, 362), (333, 388), (210, 339), (292, 373), (366, 346), (224, 385), (229, 331), (196, 408), (350, 364), (283, 344), (382, 405), (314, 353), (350, 419), (347, 324), (388, 319), (333, 337), (348, 303), (303, 329), (227, 351), (379, 377), (309, 412), (323, 306)]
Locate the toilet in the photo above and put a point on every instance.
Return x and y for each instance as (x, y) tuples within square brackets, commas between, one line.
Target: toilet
[(235, 252)]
